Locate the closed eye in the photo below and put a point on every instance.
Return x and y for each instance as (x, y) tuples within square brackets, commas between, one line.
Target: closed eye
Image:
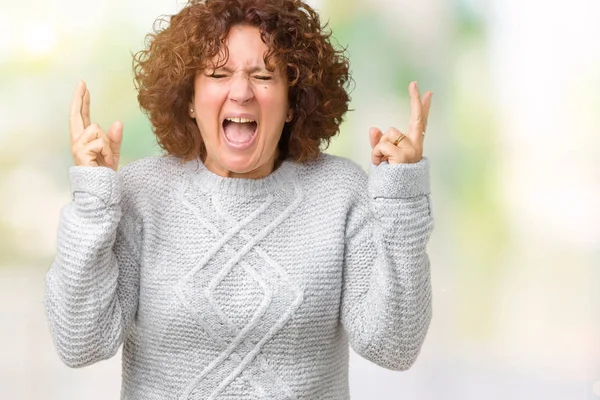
[(263, 77), (217, 76)]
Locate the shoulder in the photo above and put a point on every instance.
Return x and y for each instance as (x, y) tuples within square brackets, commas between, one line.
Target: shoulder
[(334, 176), (149, 170), (334, 169), (150, 167), (148, 177)]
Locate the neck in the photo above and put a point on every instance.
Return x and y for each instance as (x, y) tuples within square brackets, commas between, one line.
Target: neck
[(260, 172), (208, 181)]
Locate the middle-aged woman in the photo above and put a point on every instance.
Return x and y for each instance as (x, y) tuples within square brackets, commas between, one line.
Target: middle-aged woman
[(241, 264)]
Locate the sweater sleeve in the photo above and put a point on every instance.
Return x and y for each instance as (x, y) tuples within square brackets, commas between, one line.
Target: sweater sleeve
[(92, 286), (386, 298)]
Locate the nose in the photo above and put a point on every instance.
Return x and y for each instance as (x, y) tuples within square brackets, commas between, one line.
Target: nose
[(240, 90)]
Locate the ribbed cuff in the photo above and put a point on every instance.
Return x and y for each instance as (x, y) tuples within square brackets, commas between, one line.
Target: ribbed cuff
[(101, 182), (399, 181)]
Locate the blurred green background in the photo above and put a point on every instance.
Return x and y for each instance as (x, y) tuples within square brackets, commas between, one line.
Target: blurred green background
[(513, 140)]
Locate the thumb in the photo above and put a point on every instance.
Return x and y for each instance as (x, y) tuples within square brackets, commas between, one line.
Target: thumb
[(115, 135), (375, 135)]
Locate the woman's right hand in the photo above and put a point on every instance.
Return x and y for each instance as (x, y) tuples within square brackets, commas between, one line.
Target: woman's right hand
[(90, 145)]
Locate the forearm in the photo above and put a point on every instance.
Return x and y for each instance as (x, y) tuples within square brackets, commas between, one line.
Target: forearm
[(388, 313), (81, 286)]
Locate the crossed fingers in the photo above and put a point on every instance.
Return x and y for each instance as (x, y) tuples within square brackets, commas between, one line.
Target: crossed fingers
[(90, 145), (397, 147)]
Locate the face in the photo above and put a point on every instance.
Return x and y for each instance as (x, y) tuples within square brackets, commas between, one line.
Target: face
[(241, 108)]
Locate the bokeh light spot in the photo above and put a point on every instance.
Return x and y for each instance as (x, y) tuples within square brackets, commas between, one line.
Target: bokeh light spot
[(39, 39)]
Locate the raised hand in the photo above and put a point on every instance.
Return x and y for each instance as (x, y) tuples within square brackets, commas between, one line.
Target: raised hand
[(90, 145), (396, 147)]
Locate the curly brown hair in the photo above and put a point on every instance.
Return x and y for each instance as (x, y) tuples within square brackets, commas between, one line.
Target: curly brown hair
[(317, 73)]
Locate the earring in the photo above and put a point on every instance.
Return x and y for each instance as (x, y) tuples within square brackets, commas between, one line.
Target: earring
[(191, 110)]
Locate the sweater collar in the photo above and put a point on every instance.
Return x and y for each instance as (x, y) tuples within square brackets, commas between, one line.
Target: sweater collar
[(209, 182)]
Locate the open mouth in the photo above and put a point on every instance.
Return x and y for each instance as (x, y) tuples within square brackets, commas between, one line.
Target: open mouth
[(239, 130)]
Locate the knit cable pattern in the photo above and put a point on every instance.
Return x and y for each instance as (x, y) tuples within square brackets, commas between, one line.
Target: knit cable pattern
[(221, 288)]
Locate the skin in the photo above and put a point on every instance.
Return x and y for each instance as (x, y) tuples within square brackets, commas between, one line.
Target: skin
[(242, 86), (90, 145), (410, 148)]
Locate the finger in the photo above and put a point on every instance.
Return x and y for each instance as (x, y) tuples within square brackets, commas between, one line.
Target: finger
[(101, 148), (76, 125), (88, 155), (383, 150), (115, 136), (107, 153), (393, 134), (416, 112), (85, 109), (94, 134), (394, 137), (375, 135), (426, 104)]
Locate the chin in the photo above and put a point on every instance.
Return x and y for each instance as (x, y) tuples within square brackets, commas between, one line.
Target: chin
[(239, 164)]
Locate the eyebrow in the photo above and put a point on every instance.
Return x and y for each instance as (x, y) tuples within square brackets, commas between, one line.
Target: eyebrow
[(251, 70)]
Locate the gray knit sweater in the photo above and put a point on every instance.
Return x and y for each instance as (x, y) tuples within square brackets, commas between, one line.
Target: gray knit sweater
[(225, 288)]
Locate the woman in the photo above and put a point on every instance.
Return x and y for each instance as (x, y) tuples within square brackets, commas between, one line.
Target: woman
[(243, 262)]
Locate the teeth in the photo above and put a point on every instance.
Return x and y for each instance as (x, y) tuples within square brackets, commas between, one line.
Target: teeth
[(240, 120)]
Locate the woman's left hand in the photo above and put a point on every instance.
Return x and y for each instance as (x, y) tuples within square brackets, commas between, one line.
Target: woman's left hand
[(397, 147)]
